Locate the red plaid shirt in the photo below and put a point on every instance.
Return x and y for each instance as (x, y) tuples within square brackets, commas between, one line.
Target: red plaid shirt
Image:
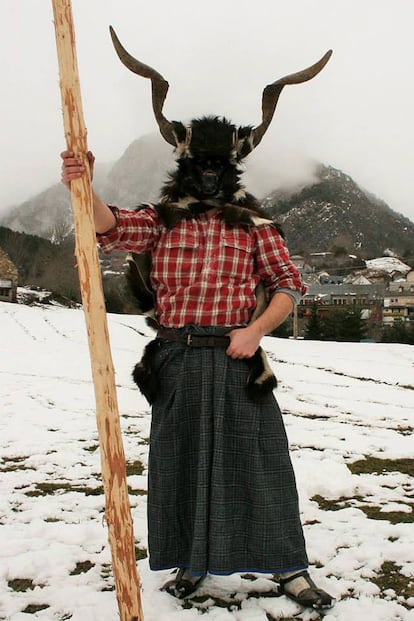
[(204, 271)]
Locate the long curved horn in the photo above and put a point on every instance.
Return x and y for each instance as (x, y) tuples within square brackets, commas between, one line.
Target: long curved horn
[(272, 91), (158, 84)]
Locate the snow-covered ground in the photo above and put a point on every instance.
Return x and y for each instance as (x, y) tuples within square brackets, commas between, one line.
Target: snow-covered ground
[(343, 402)]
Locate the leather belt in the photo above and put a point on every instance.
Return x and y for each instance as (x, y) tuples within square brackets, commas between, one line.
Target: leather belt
[(195, 340)]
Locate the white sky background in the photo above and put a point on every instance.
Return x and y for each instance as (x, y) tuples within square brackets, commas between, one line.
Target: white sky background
[(218, 56)]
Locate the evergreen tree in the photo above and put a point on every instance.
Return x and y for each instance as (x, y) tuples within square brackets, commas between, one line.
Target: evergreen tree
[(337, 325), (354, 328), (333, 325), (285, 330), (399, 332), (314, 325)]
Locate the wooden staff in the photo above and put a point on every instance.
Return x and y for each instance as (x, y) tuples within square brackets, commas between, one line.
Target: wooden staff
[(117, 511)]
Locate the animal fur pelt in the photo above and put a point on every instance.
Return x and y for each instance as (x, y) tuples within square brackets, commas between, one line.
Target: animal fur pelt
[(144, 373), (234, 214), (139, 265), (260, 381)]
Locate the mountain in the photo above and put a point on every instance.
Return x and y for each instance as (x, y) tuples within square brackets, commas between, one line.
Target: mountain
[(335, 213), (49, 214), (136, 177), (43, 215), (139, 173), (331, 213)]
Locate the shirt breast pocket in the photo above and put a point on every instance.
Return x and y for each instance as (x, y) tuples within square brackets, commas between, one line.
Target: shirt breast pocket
[(175, 260), (237, 250)]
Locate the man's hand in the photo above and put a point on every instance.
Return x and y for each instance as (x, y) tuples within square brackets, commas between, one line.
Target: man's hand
[(244, 342), (74, 168)]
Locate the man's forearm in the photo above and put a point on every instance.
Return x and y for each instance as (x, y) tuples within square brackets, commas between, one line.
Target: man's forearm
[(103, 217), (278, 309)]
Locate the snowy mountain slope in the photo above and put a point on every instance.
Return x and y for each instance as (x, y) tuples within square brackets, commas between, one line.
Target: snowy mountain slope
[(334, 211), (342, 402)]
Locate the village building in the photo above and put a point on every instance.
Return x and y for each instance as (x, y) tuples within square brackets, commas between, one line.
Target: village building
[(330, 279), (298, 260), (329, 297), (318, 259), (368, 276), (399, 300), (8, 278)]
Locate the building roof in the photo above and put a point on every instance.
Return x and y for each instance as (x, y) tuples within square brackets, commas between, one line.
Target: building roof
[(346, 289), (8, 270)]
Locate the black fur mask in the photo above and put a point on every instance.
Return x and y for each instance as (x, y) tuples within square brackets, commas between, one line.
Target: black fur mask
[(209, 145), (207, 160)]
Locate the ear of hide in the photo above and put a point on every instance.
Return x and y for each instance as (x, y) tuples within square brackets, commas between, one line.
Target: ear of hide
[(137, 275), (262, 301), (261, 379), (242, 216), (170, 214), (144, 373)]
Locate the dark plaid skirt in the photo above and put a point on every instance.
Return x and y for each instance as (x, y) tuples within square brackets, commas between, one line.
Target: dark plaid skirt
[(221, 494)]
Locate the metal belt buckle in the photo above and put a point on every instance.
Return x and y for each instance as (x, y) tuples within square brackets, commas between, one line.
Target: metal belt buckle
[(189, 339)]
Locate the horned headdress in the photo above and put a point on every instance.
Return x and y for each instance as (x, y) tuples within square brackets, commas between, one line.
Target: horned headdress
[(245, 139)]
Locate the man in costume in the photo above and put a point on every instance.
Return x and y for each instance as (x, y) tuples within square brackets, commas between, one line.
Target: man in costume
[(222, 495)]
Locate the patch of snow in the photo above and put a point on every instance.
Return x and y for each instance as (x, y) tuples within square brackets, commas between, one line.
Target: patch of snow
[(388, 264), (341, 402)]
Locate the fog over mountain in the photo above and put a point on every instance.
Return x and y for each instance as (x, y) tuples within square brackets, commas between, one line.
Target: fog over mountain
[(318, 206), (137, 177)]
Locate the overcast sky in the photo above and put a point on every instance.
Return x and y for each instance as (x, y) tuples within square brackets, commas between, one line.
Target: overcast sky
[(356, 115)]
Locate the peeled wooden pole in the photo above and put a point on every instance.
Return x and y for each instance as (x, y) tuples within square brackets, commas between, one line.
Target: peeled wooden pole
[(117, 511)]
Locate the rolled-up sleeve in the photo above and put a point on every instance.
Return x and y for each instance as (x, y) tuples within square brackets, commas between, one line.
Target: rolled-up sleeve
[(274, 266), (135, 231)]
